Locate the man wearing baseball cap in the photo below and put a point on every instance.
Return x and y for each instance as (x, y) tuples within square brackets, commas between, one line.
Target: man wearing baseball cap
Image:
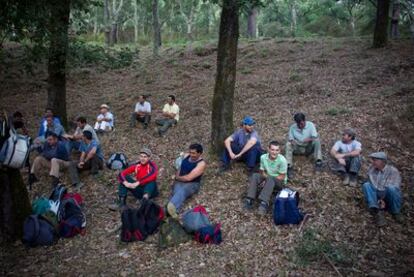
[(242, 145), (105, 120), (382, 190), (139, 179)]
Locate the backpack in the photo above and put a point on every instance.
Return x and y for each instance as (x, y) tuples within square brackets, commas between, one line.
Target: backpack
[(117, 161), (138, 224), (40, 206), (172, 233), (195, 219), (286, 209), (58, 193), (209, 234), (38, 231), (15, 150), (72, 220)]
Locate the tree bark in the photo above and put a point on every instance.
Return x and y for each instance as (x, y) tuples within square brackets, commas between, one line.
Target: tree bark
[(395, 33), (136, 22), (381, 24), (156, 28), (251, 22), (294, 18), (114, 34), (14, 205), (59, 23), (222, 113), (107, 29)]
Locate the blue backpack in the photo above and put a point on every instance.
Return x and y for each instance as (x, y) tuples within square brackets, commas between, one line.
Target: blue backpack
[(286, 209), (209, 234), (38, 231), (195, 219), (117, 161)]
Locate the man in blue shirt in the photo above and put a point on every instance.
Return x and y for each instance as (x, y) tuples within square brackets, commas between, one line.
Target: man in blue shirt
[(242, 145), (91, 154), (44, 124)]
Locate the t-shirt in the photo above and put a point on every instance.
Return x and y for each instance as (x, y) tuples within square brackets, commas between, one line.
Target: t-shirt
[(241, 137), (274, 167), (309, 131), (172, 109), (89, 128), (107, 115), (88, 147), (146, 107), (341, 147)]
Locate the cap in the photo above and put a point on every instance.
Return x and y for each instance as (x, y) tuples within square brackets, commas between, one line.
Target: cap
[(248, 120), (146, 151), (349, 132), (379, 156), (104, 106)]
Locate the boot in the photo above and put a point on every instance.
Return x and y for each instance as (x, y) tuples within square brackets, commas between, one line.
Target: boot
[(290, 173), (345, 182), (353, 180), (119, 205), (172, 210), (55, 181), (380, 219)]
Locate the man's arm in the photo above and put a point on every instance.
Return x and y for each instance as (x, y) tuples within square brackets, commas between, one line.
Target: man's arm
[(250, 143), (196, 172), (227, 144)]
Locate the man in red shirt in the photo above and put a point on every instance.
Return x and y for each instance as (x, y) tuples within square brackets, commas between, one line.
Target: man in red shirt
[(139, 179)]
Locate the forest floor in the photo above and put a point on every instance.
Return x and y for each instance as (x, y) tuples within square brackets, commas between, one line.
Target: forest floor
[(337, 83)]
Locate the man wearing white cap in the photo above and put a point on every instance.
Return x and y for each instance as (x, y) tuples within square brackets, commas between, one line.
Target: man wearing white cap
[(382, 190), (105, 120)]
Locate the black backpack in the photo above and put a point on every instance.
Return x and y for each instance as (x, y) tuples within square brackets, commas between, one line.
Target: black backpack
[(117, 161), (38, 231)]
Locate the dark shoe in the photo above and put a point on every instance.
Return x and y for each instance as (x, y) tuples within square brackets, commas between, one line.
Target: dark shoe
[(55, 181), (380, 219), (318, 166), (345, 182), (263, 207), (353, 181), (290, 173), (248, 204), (77, 186), (398, 218), (118, 205), (145, 125)]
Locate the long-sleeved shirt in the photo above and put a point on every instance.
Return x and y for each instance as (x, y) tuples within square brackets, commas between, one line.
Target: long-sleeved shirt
[(144, 174), (57, 151), (388, 177), (43, 125)]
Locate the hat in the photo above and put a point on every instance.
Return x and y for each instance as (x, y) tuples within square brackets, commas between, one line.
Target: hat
[(349, 131), (379, 156), (248, 120), (104, 106), (146, 151)]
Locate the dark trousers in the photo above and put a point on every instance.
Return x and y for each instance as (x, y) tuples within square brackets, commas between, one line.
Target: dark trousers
[(353, 165), (251, 157), (138, 192), (93, 165), (143, 119)]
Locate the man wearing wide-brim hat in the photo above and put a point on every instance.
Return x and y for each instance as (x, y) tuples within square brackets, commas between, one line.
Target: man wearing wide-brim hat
[(105, 120), (382, 190)]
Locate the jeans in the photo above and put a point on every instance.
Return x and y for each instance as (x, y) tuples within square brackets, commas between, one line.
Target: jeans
[(143, 119), (138, 192), (391, 195), (251, 157), (309, 148), (165, 124), (270, 184), (182, 191), (72, 144)]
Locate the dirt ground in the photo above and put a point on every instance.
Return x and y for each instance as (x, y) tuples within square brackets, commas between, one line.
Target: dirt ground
[(337, 83)]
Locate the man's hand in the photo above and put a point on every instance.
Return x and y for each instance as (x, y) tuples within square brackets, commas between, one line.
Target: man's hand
[(264, 174), (81, 164), (232, 155), (308, 140)]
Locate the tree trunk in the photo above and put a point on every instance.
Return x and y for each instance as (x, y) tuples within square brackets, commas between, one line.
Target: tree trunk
[(136, 22), (107, 29), (395, 33), (156, 28), (114, 34), (95, 22), (14, 205), (59, 23), (251, 22), (222, 113), (381, 24)]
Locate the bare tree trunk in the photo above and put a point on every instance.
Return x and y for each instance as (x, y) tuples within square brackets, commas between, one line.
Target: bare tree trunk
[(106, 23), (381, 24), (156, 28), (59, 24), (114, 34), (395, 33), (251, 22), (14, 204), (136, 27), (95, 22), (222, 114), (294, 18)]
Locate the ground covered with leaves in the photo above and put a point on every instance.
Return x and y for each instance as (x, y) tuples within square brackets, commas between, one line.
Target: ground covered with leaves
[(337, 83)]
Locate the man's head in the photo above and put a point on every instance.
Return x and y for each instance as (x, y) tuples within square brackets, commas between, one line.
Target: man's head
[(171, 99), (378, 160), (87, 136), (274, 149), (49, 120), (142, 98), (195, 151), (248, 124), (81, 122), (144, 155), (48, 112), (51, 138), (104, 108), (18, 120), (300, 120), (348, 135)]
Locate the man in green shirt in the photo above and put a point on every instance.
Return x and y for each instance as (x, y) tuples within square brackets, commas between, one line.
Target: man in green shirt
[(273, 168)]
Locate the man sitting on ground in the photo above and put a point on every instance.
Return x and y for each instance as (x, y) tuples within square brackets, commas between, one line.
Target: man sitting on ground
[(142, 112), (105, 120), (347, 155), (303, 140), (76, 139), (44, 124), (143, 185), (187, 178), (53, 155), (91, 154), (170, 114), (382, 190), (273, 169), (51, 127), (242, 145)]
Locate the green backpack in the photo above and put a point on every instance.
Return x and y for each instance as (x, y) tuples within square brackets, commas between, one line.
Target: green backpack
[(172, 233)]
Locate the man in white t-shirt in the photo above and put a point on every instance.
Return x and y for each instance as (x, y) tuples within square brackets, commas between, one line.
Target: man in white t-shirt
[(170, 116), (142, 112), (105, 120), (347, 155)]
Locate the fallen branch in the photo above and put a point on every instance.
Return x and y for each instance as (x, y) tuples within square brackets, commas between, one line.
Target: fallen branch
[(332, 264), (303, 222)]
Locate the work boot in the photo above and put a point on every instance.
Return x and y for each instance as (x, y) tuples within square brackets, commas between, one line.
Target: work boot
[(55, 181), (318, 166), (353, 180), (172, 210), (248, 204), (290, 173), (263, 207), (77, 186), (345, 182), (398, 218), (380, 219), (119, 205)]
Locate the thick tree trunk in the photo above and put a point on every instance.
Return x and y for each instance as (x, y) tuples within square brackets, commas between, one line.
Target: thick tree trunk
[(59, 23), (156, 28), (395, 33), (107, 29), (251, 22), (114, 34), (222, 114), (381, 24), (14, 204)]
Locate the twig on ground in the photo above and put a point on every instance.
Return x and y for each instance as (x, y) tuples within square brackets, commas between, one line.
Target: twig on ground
[(303, 222), (332, 264)]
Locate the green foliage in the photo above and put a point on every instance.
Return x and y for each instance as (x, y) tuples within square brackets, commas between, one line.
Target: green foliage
[(275, 29)]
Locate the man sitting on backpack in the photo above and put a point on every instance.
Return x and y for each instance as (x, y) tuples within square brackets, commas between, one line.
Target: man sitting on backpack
[(143, 185), (76, 139), (105, 120), (142, 112), (91, 154), (273, 169), (53, 155), (187, 178)]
